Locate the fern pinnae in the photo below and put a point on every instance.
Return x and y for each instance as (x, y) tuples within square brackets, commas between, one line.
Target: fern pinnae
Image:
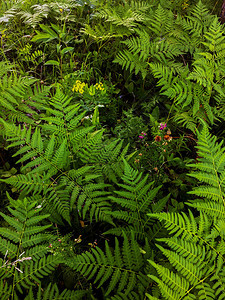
[(135, 197), (176, 287), (119, 268), (212, 164), (26, 235), (196, 254), (52, 292)]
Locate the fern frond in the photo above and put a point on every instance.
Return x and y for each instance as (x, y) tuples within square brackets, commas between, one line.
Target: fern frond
[(5, 289), (28, 183), (65, 121), (135, 198), (121, 268), (48, 159), (26, 245), (172, 287), (131, 62), (210, 171), (36, 15), (52, 293), (12, 92), (219, 285), (197, 243), (158, 21), (186, 120), (209, 65), (52, 160), (106, 159), (120, 296), (181, 224)]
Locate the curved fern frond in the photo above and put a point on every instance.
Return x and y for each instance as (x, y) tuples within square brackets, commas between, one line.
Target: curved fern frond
[(64, 121), (210, 63), (197, 243), (210, 172), (134, 199), (106, 159), (45, 157), (12, 93), (25, 250), (194, 256), (61, 185), (118, 268)]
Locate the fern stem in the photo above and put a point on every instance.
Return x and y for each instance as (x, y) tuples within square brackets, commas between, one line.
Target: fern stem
[(170, 110), (200, 281), (214, 6), (219, 185)]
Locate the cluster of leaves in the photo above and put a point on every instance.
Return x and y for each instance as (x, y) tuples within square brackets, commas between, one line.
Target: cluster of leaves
[(100, 122)]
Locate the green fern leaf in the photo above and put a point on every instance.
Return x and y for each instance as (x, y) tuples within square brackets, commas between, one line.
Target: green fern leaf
[(119, 269)]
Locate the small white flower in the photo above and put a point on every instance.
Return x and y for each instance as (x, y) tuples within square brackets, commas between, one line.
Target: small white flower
[(22, 253), (18, 270), (5, 254), (88, 117)]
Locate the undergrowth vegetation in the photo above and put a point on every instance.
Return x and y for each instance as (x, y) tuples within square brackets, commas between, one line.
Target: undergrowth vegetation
[(112, 160)]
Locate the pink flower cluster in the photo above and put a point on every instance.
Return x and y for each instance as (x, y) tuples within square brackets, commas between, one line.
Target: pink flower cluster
[(142, 135), (162, 126)]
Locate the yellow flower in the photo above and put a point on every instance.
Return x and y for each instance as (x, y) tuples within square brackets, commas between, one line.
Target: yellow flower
[(79, 86), (99, 86)]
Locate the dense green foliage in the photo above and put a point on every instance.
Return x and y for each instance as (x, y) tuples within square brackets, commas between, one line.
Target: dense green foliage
[(112, 161)]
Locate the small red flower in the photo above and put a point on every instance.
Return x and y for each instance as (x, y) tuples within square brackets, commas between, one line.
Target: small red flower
[(158, 138), (167, 137)]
